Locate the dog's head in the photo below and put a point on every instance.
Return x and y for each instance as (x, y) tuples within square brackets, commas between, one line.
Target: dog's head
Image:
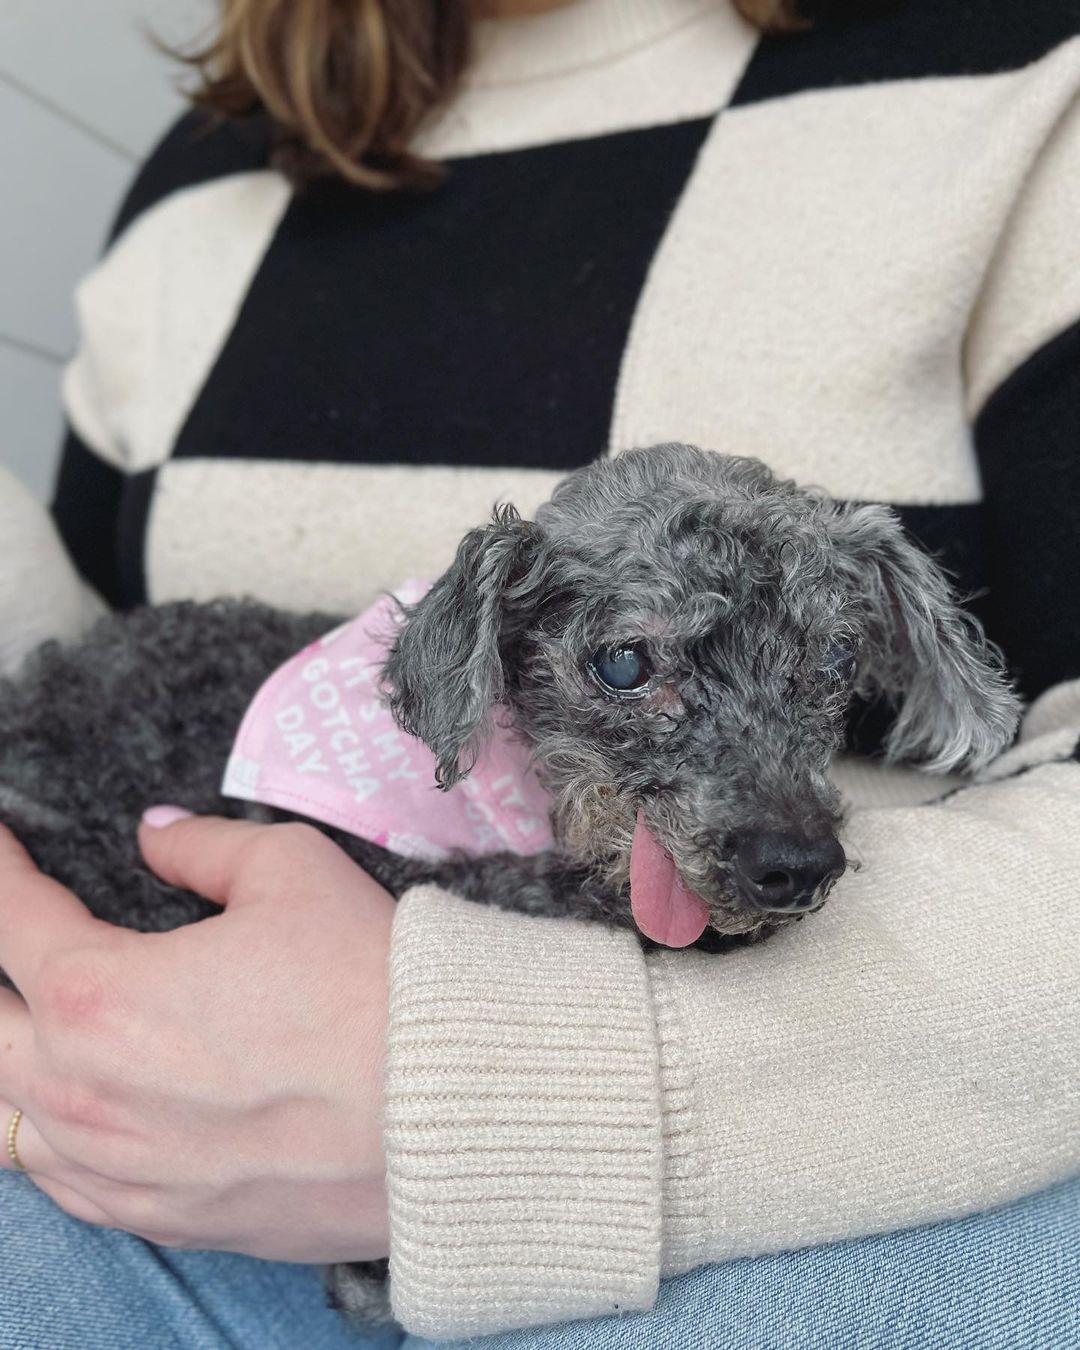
[(678, 636)]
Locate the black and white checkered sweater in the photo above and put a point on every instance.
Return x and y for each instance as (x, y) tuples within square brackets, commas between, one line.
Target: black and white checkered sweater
[(854, 254)]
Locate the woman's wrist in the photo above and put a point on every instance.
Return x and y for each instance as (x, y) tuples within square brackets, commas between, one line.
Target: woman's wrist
[(523, 1131)]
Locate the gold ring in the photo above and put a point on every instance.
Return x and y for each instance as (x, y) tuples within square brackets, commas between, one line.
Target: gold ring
[(12, 1130)]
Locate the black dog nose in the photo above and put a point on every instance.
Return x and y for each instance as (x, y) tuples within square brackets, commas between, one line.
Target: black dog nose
[(782, 872)]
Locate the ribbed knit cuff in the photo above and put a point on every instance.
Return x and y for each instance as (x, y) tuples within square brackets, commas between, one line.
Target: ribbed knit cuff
[(523, 1130)]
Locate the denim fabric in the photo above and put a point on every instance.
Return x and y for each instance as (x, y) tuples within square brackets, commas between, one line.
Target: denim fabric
[(1008, 1279), (65, 1285), (1005, 1280)]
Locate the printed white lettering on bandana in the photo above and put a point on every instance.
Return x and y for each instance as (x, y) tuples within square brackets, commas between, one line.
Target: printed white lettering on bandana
[(319, 740)]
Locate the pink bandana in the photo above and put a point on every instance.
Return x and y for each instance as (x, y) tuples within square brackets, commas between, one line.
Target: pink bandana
[(318, 740)]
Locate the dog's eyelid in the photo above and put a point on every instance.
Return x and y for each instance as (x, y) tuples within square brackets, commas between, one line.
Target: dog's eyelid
[(643, 646)]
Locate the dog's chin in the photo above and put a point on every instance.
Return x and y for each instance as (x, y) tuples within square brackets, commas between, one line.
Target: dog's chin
[(717, 943), (729, 931), (732, 918), (732, 921), (733, 924)]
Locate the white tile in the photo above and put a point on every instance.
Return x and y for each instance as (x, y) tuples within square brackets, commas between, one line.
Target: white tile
[(95, 61), (31, 424), (62, 191)]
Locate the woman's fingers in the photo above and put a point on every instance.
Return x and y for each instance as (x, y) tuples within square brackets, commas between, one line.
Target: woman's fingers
[(32, 1151), (207, 854), (74, 1202), (67, 1197), (38, 916), (199, 853)]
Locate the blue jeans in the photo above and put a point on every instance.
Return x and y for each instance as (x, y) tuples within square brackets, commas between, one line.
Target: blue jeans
[(1005, 1280)]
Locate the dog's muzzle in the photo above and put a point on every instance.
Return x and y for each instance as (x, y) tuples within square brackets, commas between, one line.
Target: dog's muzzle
[(781, 872)]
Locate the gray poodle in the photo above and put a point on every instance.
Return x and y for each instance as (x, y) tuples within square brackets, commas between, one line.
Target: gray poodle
[(677, 637)]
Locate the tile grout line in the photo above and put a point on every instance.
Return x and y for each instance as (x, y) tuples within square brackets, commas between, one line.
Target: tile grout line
[(14, 83)]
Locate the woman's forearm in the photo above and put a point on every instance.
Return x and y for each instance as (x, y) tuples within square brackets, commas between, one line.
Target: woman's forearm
[(569, 1119), (523, 1119), (909, 1056)]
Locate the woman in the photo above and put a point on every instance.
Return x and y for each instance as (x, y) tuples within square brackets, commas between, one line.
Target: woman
[(850, 251)]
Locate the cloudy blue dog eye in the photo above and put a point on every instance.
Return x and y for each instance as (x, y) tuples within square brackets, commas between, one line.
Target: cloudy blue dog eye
[(622, 669)]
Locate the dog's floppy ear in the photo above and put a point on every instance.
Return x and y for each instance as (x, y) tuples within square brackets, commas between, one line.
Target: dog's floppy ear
[(921, 650), (445, 672)]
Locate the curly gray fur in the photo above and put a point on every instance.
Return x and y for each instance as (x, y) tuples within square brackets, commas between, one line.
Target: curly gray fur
[(742, 588)]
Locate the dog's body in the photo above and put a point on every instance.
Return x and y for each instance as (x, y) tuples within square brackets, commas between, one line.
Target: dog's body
[(676, 637)]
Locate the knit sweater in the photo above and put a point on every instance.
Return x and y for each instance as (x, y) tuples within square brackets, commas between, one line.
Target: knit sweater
[(853, 253)]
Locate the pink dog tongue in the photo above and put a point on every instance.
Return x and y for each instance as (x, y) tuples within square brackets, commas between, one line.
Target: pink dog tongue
[(663, 908)]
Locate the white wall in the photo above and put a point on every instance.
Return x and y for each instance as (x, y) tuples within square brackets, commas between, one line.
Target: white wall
[(83, 96)]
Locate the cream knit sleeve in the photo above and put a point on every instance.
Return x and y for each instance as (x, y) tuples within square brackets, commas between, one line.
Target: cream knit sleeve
[(568, 1120), (41, 594)]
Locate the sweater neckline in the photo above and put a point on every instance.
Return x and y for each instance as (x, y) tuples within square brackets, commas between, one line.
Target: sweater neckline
[(582, 33)]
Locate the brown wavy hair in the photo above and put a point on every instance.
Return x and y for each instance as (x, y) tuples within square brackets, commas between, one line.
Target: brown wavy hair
[(346, 84)]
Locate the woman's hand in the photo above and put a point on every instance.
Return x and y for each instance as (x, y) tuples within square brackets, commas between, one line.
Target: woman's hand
[(218, 1086)]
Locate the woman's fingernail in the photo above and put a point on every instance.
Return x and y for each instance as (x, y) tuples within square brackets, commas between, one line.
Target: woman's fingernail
[(159, 816)]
